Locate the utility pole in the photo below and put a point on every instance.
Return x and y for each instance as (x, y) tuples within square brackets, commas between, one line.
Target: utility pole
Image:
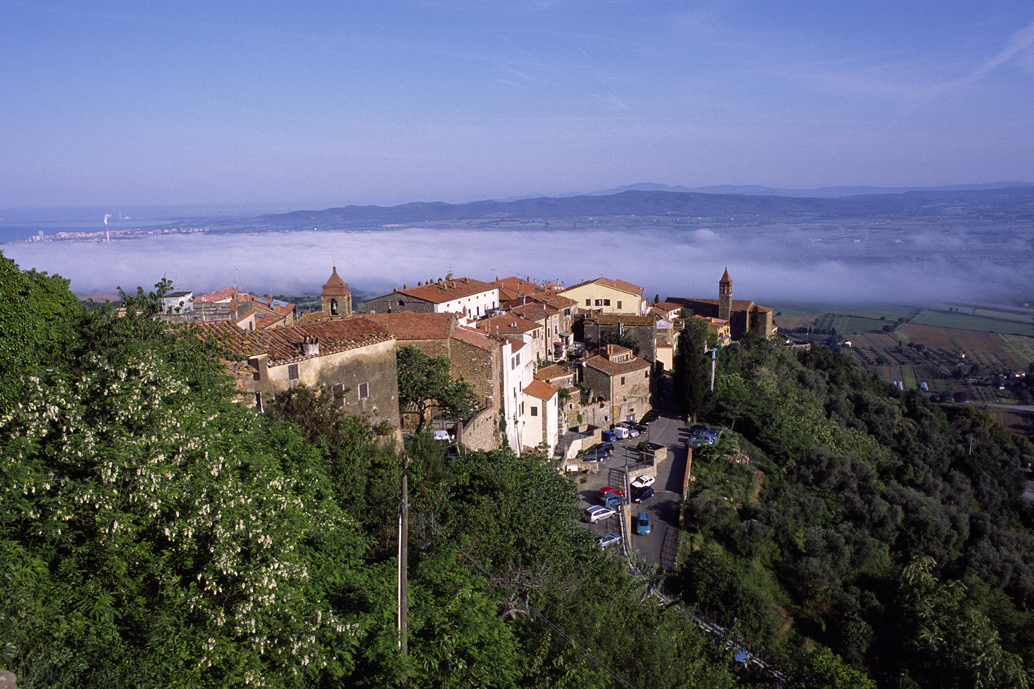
[(403, 593)]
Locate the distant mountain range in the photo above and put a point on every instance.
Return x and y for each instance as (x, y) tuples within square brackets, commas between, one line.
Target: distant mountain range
[(1007, 201)]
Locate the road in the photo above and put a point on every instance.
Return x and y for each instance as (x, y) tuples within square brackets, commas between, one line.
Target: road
[(661, 546)]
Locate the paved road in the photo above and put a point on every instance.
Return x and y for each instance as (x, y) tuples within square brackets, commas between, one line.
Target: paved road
[(660, 547)]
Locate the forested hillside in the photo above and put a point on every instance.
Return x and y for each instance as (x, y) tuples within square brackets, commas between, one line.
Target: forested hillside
[(837, 509), (155, 533)]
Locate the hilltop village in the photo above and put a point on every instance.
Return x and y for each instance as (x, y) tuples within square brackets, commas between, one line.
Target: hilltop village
[(550, 366)]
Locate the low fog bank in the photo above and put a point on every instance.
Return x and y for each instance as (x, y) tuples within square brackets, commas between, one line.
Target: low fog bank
[(793, 265)]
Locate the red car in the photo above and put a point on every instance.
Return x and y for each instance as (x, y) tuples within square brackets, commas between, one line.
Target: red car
[(610, 490)]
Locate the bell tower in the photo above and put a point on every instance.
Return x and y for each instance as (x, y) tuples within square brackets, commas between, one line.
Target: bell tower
[(336, 299), (725, 296)]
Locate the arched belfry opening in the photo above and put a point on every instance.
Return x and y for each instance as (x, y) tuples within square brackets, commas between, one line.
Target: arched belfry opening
[(336, 300), (725, 296)]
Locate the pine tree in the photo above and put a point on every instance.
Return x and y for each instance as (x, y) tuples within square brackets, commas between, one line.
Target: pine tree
[(690, 368)]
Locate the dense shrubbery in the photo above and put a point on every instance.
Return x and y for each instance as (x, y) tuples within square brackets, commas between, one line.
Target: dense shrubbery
[(878, 532)]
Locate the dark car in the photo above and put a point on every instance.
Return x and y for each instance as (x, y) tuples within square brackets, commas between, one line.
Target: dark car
[(643, 493), (593, 456), (699, 429), (650, 416), (607, 448), (639, 427)]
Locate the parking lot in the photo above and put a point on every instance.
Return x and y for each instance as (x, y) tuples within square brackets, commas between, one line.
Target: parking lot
[(660, 547)]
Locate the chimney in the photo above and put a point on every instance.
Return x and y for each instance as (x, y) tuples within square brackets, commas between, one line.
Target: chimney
[(310, 346), (449, 276)]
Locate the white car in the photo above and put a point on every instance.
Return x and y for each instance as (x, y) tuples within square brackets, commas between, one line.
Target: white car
[(643, 481), (597, 512), (632, 432)]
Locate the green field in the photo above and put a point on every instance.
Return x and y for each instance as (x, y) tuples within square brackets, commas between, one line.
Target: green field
[(869, 312), (981, 323)]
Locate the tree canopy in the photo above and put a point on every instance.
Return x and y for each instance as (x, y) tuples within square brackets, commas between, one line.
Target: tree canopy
[(427, 387)]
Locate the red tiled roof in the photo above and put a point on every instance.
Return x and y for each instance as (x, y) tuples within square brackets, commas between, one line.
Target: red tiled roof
[(541, 389), (220, 296), (506, 324), (283, 345), (602, 363), (552, 371), (409, 325), (476, 339), (620, 285), (335, 286), (447, 290)]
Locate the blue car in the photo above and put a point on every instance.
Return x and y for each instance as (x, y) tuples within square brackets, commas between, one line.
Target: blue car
[(642, 524), (608, 436), (611, 499)]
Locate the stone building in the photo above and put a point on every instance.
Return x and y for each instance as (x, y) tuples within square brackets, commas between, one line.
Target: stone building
[(336, 299), (353, 357), (594, 328), (621, 380), (742, 315)]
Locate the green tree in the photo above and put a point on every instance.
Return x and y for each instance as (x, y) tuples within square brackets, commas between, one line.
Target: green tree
[(427, 387), (625, 339), (36, 316), (690, 369)]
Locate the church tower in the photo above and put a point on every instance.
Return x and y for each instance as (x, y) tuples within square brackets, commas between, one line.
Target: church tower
[(336, 299), (725, 296)]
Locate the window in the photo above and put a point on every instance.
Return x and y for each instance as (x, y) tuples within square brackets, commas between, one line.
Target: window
[(599, 302), (333, 307), (364, 390), (622, 380), (606, 302), (646, 374), (339, 395), (619, 304), (258, 401), (292, 372), (534, 411), (588, 302)]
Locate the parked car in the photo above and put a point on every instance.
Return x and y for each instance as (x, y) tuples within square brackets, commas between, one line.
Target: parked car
[(594, 456), (608, 539), (639, 427), (609, 490), (619, 432), (643, 481), (642, 524), (598, 512), (608, 448), (699, 441), (632, 431), (611, 499), (650, 416), (644, 493), (608, 436), (703, 431)]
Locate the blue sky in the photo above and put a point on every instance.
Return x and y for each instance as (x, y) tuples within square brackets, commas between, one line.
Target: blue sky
[(333, 103)]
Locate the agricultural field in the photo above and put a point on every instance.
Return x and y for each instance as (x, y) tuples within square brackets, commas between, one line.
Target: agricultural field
[(958, 352)]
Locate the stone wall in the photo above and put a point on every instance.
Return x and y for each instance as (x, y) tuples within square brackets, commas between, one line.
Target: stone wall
[(481, 432), (397, 301)]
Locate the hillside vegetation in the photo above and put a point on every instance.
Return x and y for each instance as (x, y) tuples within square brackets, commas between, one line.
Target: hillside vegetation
[(839, 510)]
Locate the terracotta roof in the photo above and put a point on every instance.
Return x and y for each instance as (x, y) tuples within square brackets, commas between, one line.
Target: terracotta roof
[(552, 371), (602, 363), (620, 285), (515, 284), (515, 345), (283, 345), (534, 311), (408, 325), (553, 299), (335, 286), (220, 296), (725, 278), (447, 290), (475, 338), (506, 324), (541, 389)]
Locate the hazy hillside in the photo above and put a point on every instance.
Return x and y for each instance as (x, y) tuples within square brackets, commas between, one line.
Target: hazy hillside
[(1012, 203)]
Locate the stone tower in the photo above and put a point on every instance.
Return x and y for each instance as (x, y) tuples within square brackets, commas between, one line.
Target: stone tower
[(725, 296), (336, 299)]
